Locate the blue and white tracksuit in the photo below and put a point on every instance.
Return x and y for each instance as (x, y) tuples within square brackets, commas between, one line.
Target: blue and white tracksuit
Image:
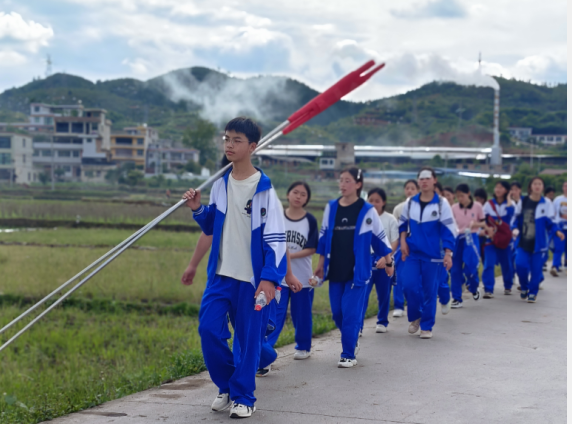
[(383, 284), (444, 290), (226, 296), (347, 297), (529, 264), (493, 254), (428, 236), (398, 297), (465, 265), (561, 219)]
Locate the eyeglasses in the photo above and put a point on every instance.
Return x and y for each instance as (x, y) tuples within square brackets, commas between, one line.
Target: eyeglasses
[(229, 141)]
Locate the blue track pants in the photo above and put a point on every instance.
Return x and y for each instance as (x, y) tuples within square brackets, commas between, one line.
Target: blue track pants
[(465, 267), (347, 311), (444, 290), (420, 283), (398, 297), (301, 312), (503, 256), (529, 270), (235, 376), (382, 283), (559, 249)]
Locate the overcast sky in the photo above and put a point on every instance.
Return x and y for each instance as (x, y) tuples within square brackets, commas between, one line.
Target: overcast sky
[(314, 41)]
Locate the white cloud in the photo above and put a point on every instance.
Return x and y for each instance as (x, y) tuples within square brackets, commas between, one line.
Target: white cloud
[(29, 36), (433, 9), (12, 59)]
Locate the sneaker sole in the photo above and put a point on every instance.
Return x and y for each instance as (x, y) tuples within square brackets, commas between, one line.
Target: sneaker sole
[(456, 307), (531, 301), (223, 409), (244, 416), (381, 331), (301, 358), (349, 365)]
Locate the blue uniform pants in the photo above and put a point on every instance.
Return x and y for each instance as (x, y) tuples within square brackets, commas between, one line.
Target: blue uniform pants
[(559, 249), (529, 270), (465, 271), (444, 291), (420, 283), (503, 256), (235, 376), (346, 301), (398, 297), (382, 283)]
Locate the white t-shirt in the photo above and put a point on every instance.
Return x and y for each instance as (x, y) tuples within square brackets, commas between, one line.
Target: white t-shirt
[(301, 234), (390, 226), (398, 209), (234, 259)]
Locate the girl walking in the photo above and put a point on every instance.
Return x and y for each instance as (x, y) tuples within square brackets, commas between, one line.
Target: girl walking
[(499, 214), (379, 277), (469, 217), (534, 218), (350, 229)]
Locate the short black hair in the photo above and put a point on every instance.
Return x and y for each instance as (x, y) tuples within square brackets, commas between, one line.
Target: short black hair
[(506, 186), (439, 186), (357, 175), (515, 184), (246, 126), (306, 186), (414, 182), (381, 193), (464, 188), (549, 190), (449, 189), (482, 193)]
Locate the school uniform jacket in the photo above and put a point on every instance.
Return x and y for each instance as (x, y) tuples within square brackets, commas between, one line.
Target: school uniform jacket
[(369, 233), (268, 238), (431, 233), (560, 221), (543, 220)]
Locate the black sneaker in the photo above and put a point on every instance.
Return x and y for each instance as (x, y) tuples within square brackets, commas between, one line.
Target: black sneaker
[(524, 295), (263, 372), (531, 298), (455, 304)]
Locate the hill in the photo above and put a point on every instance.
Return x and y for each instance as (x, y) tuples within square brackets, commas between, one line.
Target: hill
[(438, 112)]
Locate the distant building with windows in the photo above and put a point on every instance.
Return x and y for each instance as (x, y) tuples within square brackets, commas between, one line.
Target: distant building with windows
[(16, 158), (521, 133), (167, 156), (130, 145), (549, 139)]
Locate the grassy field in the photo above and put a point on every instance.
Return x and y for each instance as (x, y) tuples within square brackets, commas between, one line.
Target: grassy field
[(131, 327)]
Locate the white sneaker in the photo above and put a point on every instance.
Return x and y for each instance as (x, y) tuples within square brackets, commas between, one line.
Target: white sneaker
[(414, 326), (446, 308), (347, 363), (356, 350), (380, 328), (241, 411), (301, 354), (426, 334), (397, 313), (221, 402)]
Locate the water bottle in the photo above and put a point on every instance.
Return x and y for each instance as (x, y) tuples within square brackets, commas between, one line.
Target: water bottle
[(278, 294), (260, 301), (468, 236), (316, 281)]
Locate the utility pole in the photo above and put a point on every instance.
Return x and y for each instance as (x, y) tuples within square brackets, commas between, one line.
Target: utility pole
[(52, 156), (531, 154), (12, 171)]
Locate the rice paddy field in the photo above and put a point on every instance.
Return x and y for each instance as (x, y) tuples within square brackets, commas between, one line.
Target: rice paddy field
[(132, 327)]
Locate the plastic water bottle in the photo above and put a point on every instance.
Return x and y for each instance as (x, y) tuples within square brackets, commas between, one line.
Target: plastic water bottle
[(260, 302), (468, 236), (316, 281), (278, 294)]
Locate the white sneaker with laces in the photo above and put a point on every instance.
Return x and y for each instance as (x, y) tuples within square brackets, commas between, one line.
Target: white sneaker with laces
[(301, 354), (241, 411), (446, 308), (397, 313), (380, 328), (426, 334), (414, 326), (347, 363), (221, 402)]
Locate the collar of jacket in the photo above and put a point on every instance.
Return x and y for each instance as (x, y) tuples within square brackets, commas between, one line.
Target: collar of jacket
[(263, 184), (417, 198)]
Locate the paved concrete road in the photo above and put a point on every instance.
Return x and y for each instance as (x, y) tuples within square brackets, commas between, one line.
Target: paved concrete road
[(493, 361)]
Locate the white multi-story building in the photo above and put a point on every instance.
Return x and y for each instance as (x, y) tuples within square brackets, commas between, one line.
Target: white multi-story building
[(16, 158), (549, 139), (166, 156), (520, 132)]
